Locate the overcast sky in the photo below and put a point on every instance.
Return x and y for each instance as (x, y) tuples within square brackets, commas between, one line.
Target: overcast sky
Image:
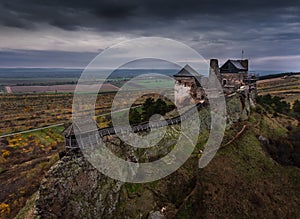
[(70, 33)]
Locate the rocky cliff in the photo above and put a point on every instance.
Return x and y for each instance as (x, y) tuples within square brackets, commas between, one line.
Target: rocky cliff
[(241, 181)]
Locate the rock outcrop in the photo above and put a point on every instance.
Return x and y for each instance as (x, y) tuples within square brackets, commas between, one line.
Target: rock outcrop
[(73, 188)]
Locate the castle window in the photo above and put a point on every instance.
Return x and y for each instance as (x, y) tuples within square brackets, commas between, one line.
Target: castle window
[(224, 82)]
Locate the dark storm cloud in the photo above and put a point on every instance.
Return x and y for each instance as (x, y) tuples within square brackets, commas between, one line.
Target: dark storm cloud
[(170, 18), (131, 14), (215, 28)]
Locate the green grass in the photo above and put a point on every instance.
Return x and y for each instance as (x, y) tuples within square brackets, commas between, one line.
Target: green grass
[(54, 135), (250, 159), (246, 152), (47, 137), (202, 139), (272, 128), (133, 187), (58, 129), (139, 109), (153, 184), (150, 84)]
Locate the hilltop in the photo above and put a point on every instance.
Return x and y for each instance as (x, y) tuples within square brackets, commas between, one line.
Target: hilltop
[(255, 173), (285, 86), (244, 179)]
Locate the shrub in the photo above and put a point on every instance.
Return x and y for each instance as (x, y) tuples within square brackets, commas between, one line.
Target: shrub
[(276, 103), (134, 116), (151, 107)]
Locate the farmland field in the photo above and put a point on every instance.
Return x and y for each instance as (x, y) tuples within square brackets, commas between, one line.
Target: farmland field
[(287, 87), (52, 80), (25, 158), (155, 83), (65, 88), (30, 111), (30, 103), (106, 87)]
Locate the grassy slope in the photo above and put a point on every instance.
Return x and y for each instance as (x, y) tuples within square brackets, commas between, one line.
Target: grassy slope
[(288, 88), (242, 181)]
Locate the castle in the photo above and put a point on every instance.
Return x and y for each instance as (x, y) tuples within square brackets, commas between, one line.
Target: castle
[(233, 76)]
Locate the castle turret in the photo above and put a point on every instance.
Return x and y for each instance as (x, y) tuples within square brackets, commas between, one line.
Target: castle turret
[(214, 69)]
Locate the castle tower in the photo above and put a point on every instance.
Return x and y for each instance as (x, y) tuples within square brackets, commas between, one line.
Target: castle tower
[(214, 69), (187, 87)]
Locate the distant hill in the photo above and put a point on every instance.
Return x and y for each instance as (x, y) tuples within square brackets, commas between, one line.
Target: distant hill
[(270, 76)]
